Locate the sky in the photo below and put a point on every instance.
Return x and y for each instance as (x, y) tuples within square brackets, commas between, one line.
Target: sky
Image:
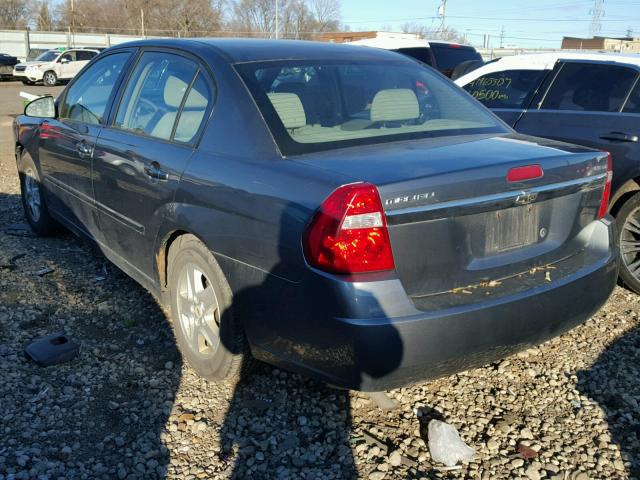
[(530, 24)]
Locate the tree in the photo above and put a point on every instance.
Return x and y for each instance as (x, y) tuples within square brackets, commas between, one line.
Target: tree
[(44, 21), (15, 13), (327, 14)]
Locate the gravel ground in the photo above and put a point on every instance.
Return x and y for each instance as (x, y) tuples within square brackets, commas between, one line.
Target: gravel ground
[(128, 407)]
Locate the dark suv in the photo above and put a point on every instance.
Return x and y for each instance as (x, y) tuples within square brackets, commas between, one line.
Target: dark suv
[(586, 99)]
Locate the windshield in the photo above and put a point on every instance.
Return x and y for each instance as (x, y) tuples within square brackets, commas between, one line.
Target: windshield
[(49, 56), (319, 105)]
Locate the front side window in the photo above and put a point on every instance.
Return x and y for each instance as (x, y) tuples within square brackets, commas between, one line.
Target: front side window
[(68, 57), (507, 89), (319, 105), (154, 94), (87, 98), (589, 87)]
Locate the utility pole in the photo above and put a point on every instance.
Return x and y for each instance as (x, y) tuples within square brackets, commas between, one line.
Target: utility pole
[(502, 37), (596, 12), (142, 21), (277, 21), (442, 13)]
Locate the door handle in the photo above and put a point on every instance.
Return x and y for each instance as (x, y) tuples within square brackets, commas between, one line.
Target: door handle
[(84, 149), (619, 137), (154, 172)]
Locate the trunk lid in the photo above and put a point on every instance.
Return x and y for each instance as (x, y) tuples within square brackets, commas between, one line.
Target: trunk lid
[(458, 229)]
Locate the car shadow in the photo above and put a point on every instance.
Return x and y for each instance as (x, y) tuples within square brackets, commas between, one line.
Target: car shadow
[(613, 383), (281, 425), (117, 396), (104, 413)]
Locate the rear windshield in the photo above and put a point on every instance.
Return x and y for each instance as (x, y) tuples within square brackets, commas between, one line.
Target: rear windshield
[(449, 56), (419, 53), (312, 106)]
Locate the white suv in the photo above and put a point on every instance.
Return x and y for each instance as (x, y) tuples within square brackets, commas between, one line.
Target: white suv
[(55, 65)]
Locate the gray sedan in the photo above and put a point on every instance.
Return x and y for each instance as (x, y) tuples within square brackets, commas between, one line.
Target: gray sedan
[(340, 211)]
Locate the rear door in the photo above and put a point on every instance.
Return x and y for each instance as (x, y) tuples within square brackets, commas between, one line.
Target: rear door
[(82, 58), (507, 93), (591, 104), (140, 157)]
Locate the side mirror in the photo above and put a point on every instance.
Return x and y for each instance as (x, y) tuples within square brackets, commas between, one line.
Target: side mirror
[(43, 107), (64, 60)]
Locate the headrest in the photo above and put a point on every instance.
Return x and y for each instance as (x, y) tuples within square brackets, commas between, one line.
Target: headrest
[(289, 109), (394, 105), (174, 91)]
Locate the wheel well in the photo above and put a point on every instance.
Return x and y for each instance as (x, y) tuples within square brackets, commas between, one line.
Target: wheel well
[(162, 255), (623, 194)]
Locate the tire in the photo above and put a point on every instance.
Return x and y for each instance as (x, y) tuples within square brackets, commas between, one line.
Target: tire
[(33, 199), (628, 223), (207, 334), (49, 79)]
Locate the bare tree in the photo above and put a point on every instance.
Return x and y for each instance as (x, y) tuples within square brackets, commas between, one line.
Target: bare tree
[(15, 13), (45, 20), (327, 14)]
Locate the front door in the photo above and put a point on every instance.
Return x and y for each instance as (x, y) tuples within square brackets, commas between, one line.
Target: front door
[(67, 142), (507, 93), (139, 159)]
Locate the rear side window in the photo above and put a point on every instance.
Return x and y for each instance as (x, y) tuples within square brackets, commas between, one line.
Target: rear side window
[(449, 56), (83, 55), (507, 89), (589, 87), (154, 94), (87, 98), (193, 111)]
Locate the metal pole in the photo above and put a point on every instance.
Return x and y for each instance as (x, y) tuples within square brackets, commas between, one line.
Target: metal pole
[(142, 21), (277, 22)]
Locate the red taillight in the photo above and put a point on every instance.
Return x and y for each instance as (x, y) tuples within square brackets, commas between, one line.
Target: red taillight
[(349, 232), (606, 194), (521, 174)]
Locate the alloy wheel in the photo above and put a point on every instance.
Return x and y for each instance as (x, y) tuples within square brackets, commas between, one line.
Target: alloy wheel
[(198, 311), (630, 243), (49, 78), (32, 194)]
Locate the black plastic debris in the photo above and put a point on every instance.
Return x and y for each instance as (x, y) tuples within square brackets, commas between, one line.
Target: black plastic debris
[(52, 349), (11, 264), (19, 230)]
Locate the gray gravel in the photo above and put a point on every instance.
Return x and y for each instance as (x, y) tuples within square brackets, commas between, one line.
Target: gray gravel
[(128, 407)]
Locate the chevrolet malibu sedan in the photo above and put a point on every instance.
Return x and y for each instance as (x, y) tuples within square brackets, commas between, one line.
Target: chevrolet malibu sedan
[(339, 211)]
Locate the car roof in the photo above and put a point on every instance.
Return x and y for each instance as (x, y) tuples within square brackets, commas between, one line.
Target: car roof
[(242, 50), (546, 61), (390, 43)]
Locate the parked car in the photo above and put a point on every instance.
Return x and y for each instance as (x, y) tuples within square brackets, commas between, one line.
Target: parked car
[(443, 56), (54, 65), (6, 66), (588, 99), (345, 211)]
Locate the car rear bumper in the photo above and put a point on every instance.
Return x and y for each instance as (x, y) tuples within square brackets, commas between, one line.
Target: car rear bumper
[(393, 350)]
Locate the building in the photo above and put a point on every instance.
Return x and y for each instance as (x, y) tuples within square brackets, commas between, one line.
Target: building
[(347, 37), (623, 44)]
